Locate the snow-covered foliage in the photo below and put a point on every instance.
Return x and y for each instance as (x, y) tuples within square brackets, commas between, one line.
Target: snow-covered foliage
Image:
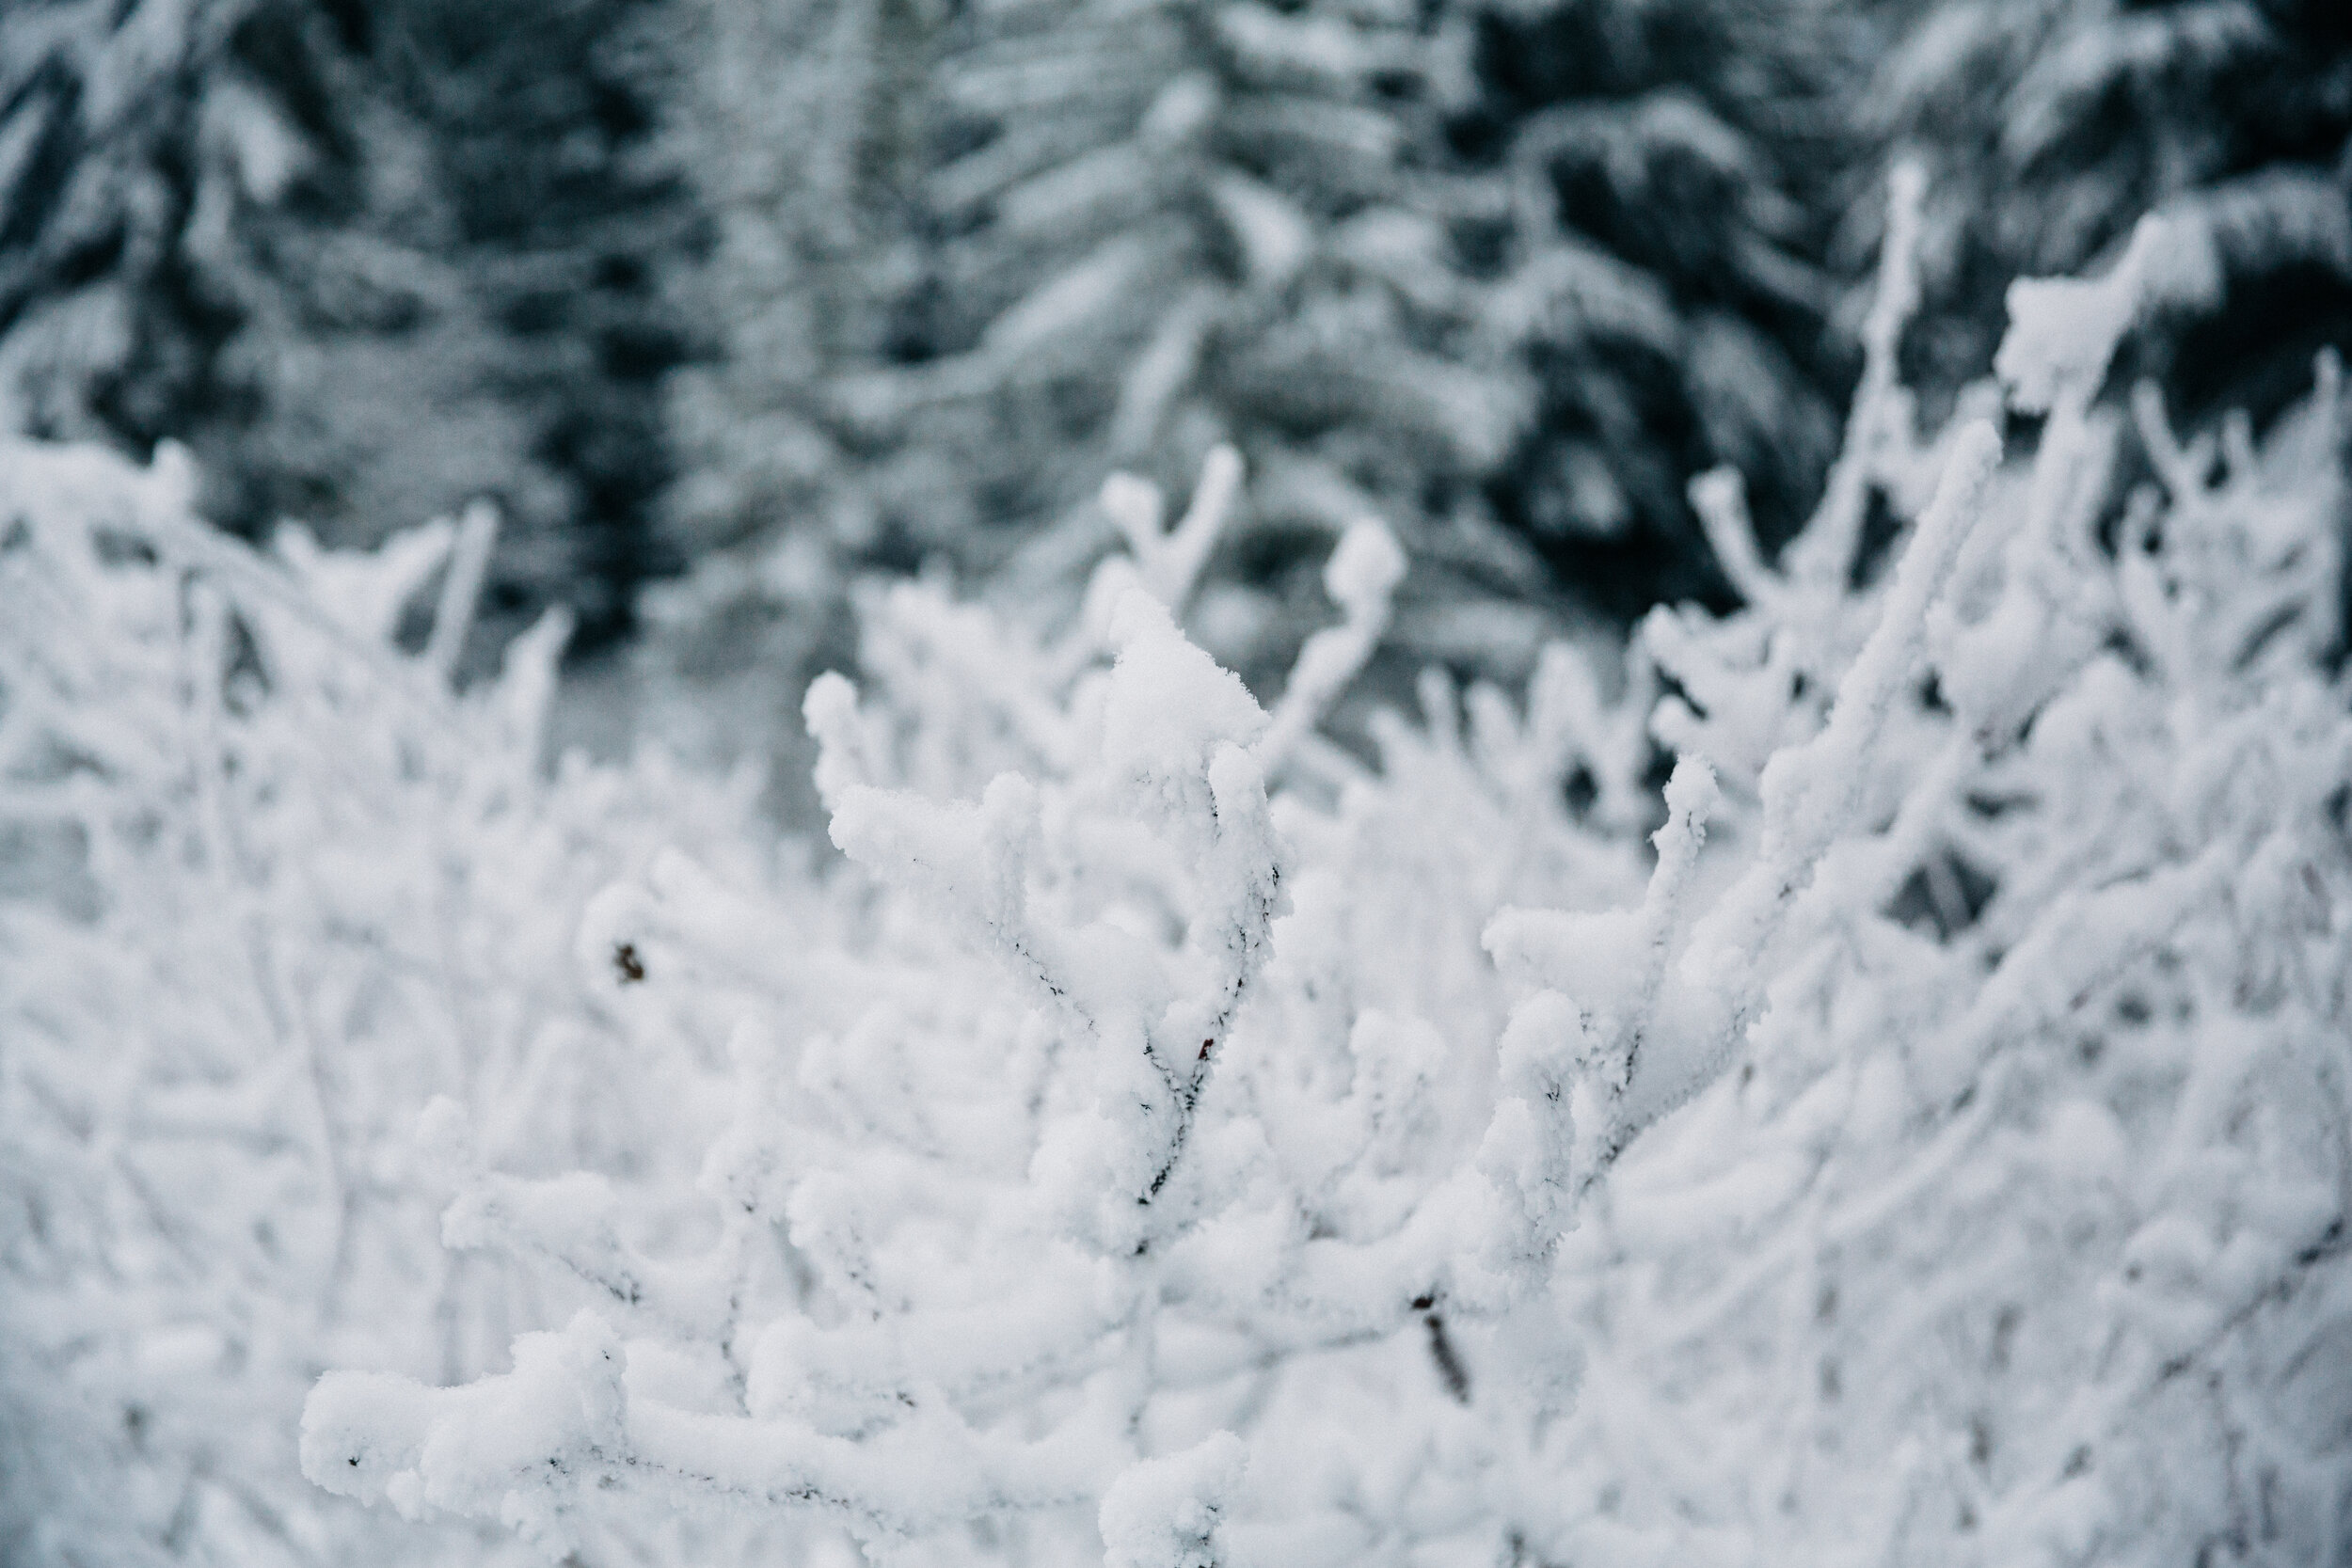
[(1063, 1154), (2017, 1233), (266, 887), (1186, 1143)]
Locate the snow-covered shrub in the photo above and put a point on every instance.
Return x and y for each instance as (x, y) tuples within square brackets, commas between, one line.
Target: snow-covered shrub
[(1061, 1158), (2017, 1233), (1937, 1152), (271, 887)]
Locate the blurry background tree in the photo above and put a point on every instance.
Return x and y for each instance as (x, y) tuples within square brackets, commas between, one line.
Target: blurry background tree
[(543, 114), (796, 121), (2049, 126), (1025, 245), (1503, 274), (1670, 169), (360, 258), (784, 291)]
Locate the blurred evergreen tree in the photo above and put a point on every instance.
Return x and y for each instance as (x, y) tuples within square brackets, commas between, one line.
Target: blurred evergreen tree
[(799, 123), (237, 224), (220, 229), (1161, 228), (2049, 126), (1668, 165), (543, 115), (1025, 245), (1505, 274)]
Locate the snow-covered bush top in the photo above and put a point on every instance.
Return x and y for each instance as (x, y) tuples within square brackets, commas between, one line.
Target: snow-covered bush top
[(1189, 1146), (1917, 1134), (267, 886)]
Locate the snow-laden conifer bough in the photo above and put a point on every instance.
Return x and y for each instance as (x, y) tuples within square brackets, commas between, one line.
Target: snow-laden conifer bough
[(1941, 1158)]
